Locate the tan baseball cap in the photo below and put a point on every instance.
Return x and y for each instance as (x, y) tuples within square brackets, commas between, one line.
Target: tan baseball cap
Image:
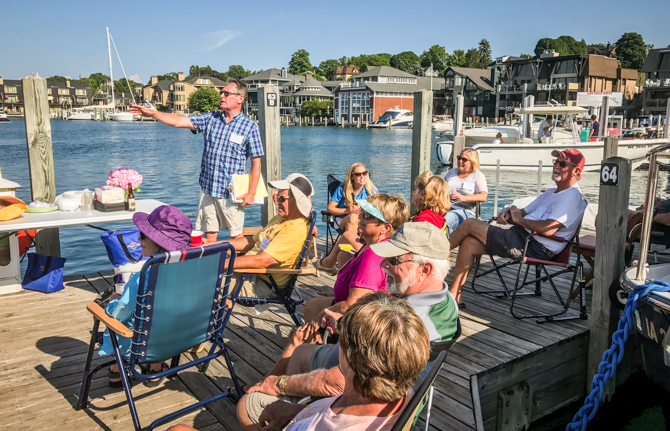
[(420, 238)]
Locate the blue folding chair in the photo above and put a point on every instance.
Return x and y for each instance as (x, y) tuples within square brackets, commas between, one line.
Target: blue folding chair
[(181, 305), (329, 218), (285, 295)]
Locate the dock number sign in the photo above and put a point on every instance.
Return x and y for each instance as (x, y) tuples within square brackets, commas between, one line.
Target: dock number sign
[(609, 174), (272, 99)]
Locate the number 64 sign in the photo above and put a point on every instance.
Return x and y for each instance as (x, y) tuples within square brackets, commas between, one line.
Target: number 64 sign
[(609, 174)]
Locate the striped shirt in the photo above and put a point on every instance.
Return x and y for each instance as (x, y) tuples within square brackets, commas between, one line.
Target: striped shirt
[(227, 148), (438, 311)]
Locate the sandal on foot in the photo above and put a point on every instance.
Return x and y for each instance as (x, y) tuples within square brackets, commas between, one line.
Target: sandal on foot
[(153, 383), (114, 379), (319, 266)]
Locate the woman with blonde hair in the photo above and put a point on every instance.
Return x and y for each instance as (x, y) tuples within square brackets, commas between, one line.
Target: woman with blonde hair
[(430, 198), (357, 185), (380, 216), (467, 185)]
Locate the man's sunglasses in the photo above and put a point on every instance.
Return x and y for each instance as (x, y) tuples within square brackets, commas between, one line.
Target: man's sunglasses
[(459, 158), (227, 93), (395, 260), (282, 199), (358, 174), (563, 163)]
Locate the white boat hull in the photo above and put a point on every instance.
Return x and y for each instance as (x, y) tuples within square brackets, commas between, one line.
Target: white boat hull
[(80, 116), (120, 116), (527, 157)]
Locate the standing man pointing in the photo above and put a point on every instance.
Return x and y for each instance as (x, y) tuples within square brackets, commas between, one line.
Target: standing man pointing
[(230, 139)]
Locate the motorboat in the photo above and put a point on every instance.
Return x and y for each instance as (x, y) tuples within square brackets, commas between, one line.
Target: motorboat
[(3, 117), (120, 116), (443, 125), (652, 314), (86, 113), (526, 154), (394, 118)]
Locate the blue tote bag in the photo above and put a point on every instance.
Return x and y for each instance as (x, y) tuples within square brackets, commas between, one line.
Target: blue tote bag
[(44, 273), (123, 246)]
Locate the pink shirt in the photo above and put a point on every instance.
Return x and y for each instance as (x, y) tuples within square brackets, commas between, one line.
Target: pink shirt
[(319, 416), (362, 271)]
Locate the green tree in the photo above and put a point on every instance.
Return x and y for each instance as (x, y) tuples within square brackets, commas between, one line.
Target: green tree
[(416, 69), (436, 55), (194, 70), (563, 45), (237, 71), (631, 50), (204, 99), (58, 78), (125, 86), (364, 60), (528, 56), (327, 68), (167, 77), (100, 80), (404, 60), (316, 108), (473, 58), (484, 54), (344, 61), (299, 64), (457, 59)]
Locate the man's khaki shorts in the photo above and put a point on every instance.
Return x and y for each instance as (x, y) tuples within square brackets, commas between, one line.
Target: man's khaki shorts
[(253, 287), (257, 402), (215, 214)]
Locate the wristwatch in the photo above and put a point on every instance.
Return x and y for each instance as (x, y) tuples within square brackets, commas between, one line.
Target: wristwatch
[(281, 384)]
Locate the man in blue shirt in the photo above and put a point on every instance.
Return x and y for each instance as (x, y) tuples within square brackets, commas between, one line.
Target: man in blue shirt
[(595, 127), (230, 139)]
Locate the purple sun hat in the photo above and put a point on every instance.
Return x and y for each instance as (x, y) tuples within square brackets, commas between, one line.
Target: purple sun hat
[(167, 226)]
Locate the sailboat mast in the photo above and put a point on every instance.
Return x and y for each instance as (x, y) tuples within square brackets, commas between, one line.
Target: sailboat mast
[(111, 75)]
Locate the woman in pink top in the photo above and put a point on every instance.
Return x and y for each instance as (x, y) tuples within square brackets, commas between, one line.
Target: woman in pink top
[(381, 214), (383, 348)]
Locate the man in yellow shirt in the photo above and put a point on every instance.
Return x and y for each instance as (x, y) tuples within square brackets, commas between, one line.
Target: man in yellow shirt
[(279, 244)]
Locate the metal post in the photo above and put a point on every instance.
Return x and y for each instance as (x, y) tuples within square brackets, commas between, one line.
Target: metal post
[(268, 116), (604, 114), (539, 178)]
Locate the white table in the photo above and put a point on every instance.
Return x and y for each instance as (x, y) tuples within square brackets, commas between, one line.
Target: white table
[(75, 218), (10, 280)]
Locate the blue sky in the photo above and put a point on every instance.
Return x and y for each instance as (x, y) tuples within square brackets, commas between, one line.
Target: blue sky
[(68, 37)]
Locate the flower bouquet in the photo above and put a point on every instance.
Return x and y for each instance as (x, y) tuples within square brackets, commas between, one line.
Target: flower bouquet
[(121, 177)]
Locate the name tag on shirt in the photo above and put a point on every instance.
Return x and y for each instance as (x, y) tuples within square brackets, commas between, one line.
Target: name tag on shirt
[(264, 244), (236, 138), (468, 186)]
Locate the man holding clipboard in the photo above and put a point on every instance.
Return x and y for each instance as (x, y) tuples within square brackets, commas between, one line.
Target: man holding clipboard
[(230, 139)]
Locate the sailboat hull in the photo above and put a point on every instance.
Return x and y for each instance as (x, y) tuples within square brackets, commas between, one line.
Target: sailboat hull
[(120, 116)]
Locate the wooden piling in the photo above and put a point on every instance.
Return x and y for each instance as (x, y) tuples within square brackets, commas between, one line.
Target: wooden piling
[(458, 115), (459, 146), (611, 148), (312, 121), (609, 262), (40, 156), (268, 117), (421, 133)]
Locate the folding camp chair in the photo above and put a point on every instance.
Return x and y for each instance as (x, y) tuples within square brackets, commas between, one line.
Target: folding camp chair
[(329, 218), (178, 307), (561, 260), (284, 296)]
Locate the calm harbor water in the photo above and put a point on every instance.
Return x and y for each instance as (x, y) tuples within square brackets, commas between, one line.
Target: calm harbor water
[(169, 159)]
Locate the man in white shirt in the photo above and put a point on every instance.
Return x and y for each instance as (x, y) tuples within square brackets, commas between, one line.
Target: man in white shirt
[(545, 127), (557, 212)]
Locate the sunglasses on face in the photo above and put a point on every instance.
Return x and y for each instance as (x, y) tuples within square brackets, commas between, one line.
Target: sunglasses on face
[(463, 159), (367, 216), (227, 93), (395, 260), (358, 174), (563, 163), (282, 199)]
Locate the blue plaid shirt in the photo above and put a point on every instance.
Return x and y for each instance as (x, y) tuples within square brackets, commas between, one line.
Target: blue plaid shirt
[(227, 148)]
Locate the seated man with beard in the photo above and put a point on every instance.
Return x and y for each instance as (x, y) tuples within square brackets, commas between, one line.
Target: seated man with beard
[(415, 261)]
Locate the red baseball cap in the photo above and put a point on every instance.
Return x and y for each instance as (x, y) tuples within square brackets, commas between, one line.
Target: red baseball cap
[(571, 155)]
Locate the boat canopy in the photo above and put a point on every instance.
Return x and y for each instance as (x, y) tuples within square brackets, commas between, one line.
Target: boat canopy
[(551, 110)]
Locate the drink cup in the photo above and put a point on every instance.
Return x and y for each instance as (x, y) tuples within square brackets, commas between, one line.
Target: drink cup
[(196, 238), (87, 201)]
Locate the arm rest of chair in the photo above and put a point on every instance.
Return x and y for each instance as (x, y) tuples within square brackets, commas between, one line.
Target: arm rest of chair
[(251, 231), (551, 237), (111, 323), (282, 271)]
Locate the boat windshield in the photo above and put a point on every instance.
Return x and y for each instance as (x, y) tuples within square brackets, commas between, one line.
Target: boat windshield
[(388, 114)]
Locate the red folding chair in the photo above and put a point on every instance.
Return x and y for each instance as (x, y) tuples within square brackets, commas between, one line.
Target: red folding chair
[(561, 260)]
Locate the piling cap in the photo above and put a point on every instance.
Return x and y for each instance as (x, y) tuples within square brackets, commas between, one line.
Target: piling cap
[(572, 155)]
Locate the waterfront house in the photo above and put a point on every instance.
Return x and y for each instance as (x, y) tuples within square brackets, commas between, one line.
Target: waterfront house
[(172, 94), (559, 78), (345, 73), (656, 89), (287, 83), (376, 90), (294, 93), (11, 93), (475, 85), (61, 95)]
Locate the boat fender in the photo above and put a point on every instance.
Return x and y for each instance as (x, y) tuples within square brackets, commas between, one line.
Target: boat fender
[(618, 295)]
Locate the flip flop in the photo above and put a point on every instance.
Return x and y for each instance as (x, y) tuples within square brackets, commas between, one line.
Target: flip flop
[(319, 266), (147, 370)]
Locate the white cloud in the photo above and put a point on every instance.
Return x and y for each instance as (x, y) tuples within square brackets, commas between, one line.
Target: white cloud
[(135, 78), (218, 38)]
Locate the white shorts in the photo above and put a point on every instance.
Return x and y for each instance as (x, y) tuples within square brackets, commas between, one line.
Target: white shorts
[(219, 213)]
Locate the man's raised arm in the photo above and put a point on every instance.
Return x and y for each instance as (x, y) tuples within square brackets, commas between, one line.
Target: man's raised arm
[(173, 120)]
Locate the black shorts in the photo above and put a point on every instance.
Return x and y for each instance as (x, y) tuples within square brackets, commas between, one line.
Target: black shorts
[(511, 242)]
